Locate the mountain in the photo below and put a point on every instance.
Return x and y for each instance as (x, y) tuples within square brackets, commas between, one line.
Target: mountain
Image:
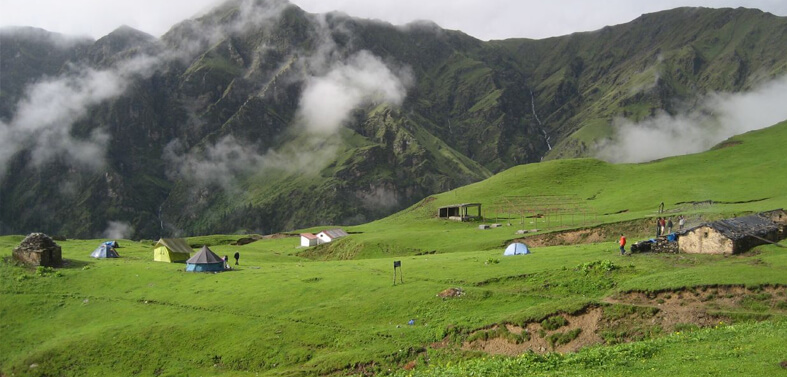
[(260, 117)]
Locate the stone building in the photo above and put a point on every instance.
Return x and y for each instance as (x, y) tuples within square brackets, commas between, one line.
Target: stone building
[(732, 236), (37, 249)]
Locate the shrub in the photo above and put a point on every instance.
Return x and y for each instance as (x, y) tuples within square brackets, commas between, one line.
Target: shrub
[(602, 266), (554, 323), (558, 339)]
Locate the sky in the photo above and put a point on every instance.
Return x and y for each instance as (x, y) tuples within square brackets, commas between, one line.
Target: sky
[(483, 19)]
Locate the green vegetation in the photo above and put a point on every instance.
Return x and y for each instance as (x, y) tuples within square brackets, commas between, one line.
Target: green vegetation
[(553, 323), (334, 309)]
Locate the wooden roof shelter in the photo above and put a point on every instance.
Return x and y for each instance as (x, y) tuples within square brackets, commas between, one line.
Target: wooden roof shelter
[(460, 212)]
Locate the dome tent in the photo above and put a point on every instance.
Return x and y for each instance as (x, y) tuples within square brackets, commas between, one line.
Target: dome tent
[(205, 261), (517, 248), (104, 251)]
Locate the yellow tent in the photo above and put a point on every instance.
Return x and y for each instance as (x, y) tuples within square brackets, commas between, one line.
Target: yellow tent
[(171, 250)]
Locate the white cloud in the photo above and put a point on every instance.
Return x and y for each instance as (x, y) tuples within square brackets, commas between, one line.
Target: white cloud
[(118, 230), (488, 19), (363, 79), (43, 119), (718, 117)]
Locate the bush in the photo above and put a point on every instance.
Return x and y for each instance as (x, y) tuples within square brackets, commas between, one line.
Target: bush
[(558, 339), (554, 323), (599, 265)]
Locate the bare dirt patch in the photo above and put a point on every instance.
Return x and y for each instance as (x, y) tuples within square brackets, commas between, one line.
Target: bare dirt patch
[(587, 321), (633, 316)]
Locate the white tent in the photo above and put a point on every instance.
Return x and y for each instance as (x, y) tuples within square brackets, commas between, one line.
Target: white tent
[(516, 248)]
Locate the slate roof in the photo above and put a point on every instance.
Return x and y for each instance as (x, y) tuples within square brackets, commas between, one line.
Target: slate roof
[(740, 227)]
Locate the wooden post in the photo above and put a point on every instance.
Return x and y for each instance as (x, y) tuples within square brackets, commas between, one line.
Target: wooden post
[(398, 264)]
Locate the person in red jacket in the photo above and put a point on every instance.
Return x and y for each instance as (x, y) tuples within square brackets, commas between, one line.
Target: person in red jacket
[(622, 244)]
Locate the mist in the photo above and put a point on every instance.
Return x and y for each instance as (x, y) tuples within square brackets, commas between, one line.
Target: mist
[(118, 230), (717, 117), (217, 164), (44, 117), (363, 79)]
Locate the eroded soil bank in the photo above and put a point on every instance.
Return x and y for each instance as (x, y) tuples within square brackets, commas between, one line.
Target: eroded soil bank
[(632, 316)]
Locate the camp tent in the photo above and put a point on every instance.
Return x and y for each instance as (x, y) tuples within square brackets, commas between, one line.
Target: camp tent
[(171, 250), (113, 244), (104, 251), (205, 261), (516, 248)]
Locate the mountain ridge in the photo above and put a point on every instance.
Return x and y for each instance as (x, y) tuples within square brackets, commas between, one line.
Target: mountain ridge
[(209, 126)]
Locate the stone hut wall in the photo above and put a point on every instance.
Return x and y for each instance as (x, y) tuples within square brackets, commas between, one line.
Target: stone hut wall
[(705, 240), (37, 249)]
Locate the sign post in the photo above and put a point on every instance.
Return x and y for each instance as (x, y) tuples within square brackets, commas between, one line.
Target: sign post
[(398, 264)]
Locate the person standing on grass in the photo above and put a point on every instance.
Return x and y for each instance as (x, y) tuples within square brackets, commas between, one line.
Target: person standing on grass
[(662, 225), (622, 244), (669, 225), (226, 261), (658, 226), (681, 222), (237, 256)]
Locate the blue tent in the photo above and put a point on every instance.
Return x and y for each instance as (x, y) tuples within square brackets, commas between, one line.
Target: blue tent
[(516, 248), (112, 244), (104, 251), (205, 261)]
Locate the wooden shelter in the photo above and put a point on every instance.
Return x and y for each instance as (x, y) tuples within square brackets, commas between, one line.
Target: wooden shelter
[(460, 212)]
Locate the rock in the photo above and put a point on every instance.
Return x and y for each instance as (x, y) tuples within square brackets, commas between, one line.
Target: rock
[(451, 292)]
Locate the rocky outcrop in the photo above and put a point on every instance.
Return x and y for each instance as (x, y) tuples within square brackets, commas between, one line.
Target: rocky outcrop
[(37, 249)]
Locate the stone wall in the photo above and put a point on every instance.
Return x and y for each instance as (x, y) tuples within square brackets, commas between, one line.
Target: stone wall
[(705, 240), (37, 249)]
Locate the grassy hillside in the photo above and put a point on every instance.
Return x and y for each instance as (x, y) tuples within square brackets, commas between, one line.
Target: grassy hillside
[(284, 311), (744, 174)]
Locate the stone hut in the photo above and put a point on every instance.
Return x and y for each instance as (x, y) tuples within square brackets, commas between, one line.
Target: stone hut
[(730, 236), (37, 249)]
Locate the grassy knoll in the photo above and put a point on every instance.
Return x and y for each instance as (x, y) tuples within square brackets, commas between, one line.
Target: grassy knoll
[(334, 309)]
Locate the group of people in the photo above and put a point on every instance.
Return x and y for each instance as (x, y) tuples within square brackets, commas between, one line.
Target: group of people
[(226, 260), (664, 225)]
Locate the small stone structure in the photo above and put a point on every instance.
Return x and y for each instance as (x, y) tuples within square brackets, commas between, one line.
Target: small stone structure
[(732, 236), (37, 249)]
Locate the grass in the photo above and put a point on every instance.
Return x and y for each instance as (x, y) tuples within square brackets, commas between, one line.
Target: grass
[(338, 311)]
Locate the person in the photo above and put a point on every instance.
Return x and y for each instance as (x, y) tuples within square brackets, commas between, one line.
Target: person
[(681, 222), (658, 227), (669, 225), (237, 256), (661, 207), (662, 225), (622, 244), (226, 261)]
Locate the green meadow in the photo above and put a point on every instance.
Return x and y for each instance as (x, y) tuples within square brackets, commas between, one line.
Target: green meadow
[(335, 310)]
